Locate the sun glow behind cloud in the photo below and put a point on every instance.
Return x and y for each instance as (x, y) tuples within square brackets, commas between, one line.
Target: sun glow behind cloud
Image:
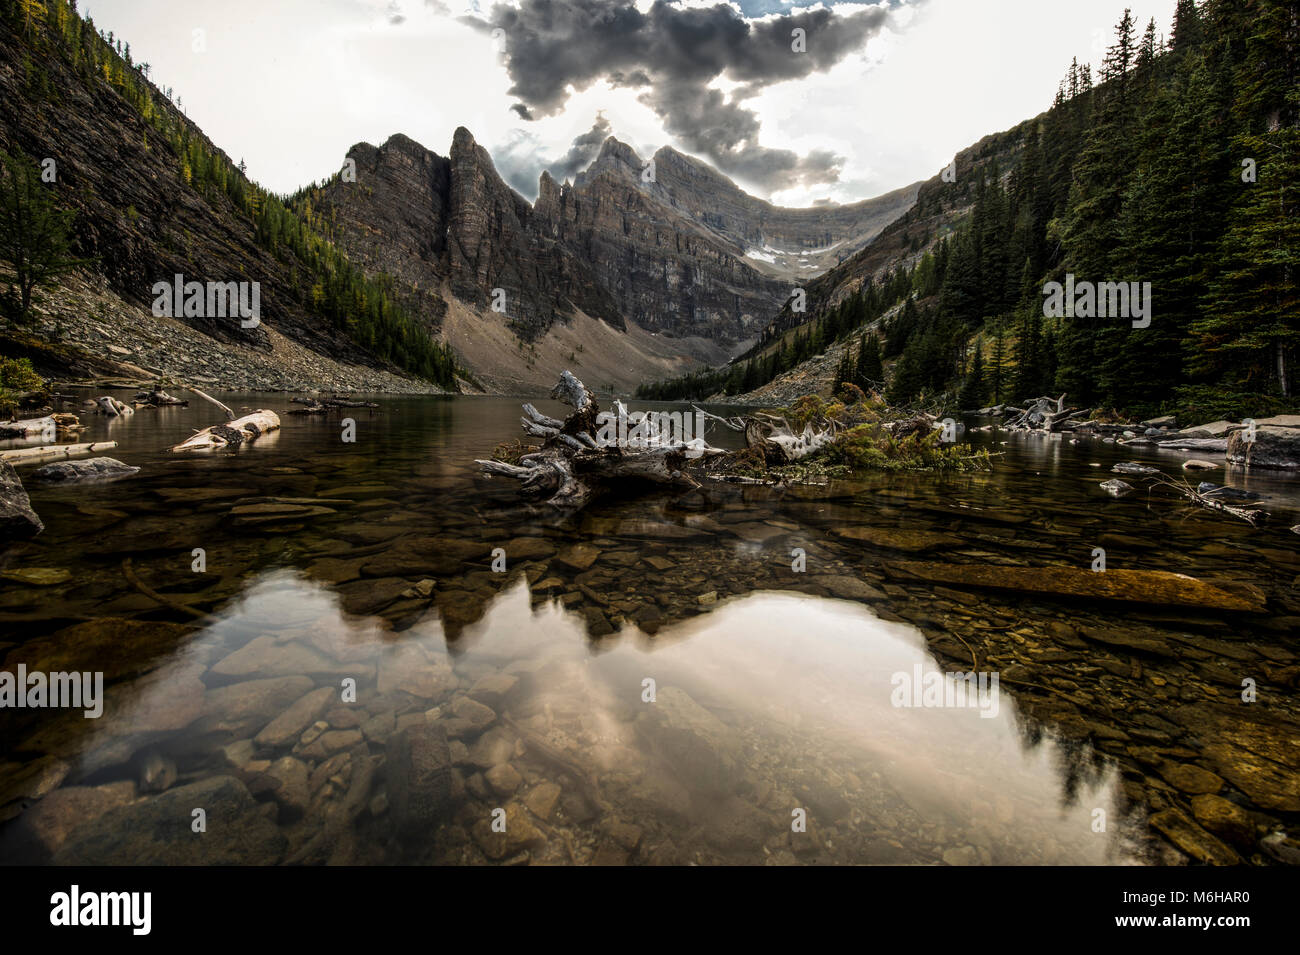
[(290, 85)]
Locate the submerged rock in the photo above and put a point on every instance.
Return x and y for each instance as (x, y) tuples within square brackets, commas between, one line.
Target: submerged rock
[(1206, 489), (1116, 488), (159, 831), (90, 469), (1132, 467), (1136, 586), (17, 519), (701, 749), (419, 778)]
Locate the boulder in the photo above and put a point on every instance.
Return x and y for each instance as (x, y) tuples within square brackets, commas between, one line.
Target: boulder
[(17, 519), (1273, 447), (88, 469)]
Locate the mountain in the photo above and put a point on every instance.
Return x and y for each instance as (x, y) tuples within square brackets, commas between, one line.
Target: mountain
[(152, 198), (682, 261), (412, 271), (1162, 195)]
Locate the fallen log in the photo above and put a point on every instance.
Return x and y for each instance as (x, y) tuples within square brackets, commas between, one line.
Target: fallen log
[(29, 426), (231, 435), (55, 451)]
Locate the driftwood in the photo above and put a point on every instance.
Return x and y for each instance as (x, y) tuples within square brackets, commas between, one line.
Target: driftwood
[(587, 451), (49, 427), (230, 435), (1250, 514), (158, 398), (1046, 414), (322, 405), (773, 438), (113, 408), (230, 415), (27, 427), (54, 451)]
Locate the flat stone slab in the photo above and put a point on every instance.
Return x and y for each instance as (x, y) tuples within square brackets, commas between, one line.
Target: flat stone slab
[(897, 538), (1157, 587)]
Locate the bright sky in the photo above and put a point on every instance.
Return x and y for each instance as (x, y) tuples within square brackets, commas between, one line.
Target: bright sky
[(290, 85)]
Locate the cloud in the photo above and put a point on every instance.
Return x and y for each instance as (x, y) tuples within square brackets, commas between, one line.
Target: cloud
[(673, 56), (585, 148)]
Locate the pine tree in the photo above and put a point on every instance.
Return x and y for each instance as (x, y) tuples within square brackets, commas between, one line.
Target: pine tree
[(35, 243), (974, 388), (870, 372)]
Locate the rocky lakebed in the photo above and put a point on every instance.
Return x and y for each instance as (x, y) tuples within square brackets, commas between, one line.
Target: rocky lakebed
[(386, 658)]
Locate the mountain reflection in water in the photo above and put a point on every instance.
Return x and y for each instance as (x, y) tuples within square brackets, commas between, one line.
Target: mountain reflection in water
[(770, 704)]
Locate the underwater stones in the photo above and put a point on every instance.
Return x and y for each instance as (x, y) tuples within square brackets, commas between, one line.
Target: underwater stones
[(267, 657), (157, 831), (529, 548), (1225, 819), (503, 778), (1189, 778), (1136, 586), (288, 781), (897, 538), (542, 799), (241, 709), (1133, 467), (43, 828), (365, 597), (520, 833), (1115, 487), (289, 725), (578, 557), (245, 515), (476, 715), (493, 688), (700, 748), (492, 748), (846, 587), (37, 576), (1191, 838), (418, 778), (408, 669)]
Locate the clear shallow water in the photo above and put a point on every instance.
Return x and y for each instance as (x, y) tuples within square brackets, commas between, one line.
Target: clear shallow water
[(771, 694)]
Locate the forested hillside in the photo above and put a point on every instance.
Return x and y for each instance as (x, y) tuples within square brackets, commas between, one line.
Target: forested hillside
[(153, 196), (1179, 167)]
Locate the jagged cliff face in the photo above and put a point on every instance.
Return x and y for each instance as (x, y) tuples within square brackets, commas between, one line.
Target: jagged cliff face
[(452, 224), (686, 254)]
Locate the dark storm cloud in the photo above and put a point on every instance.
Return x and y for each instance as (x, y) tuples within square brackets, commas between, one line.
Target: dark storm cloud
[(585, 148), (672, 55)]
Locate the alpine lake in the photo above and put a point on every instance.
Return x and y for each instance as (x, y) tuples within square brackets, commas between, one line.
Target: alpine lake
[(368, 653)]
